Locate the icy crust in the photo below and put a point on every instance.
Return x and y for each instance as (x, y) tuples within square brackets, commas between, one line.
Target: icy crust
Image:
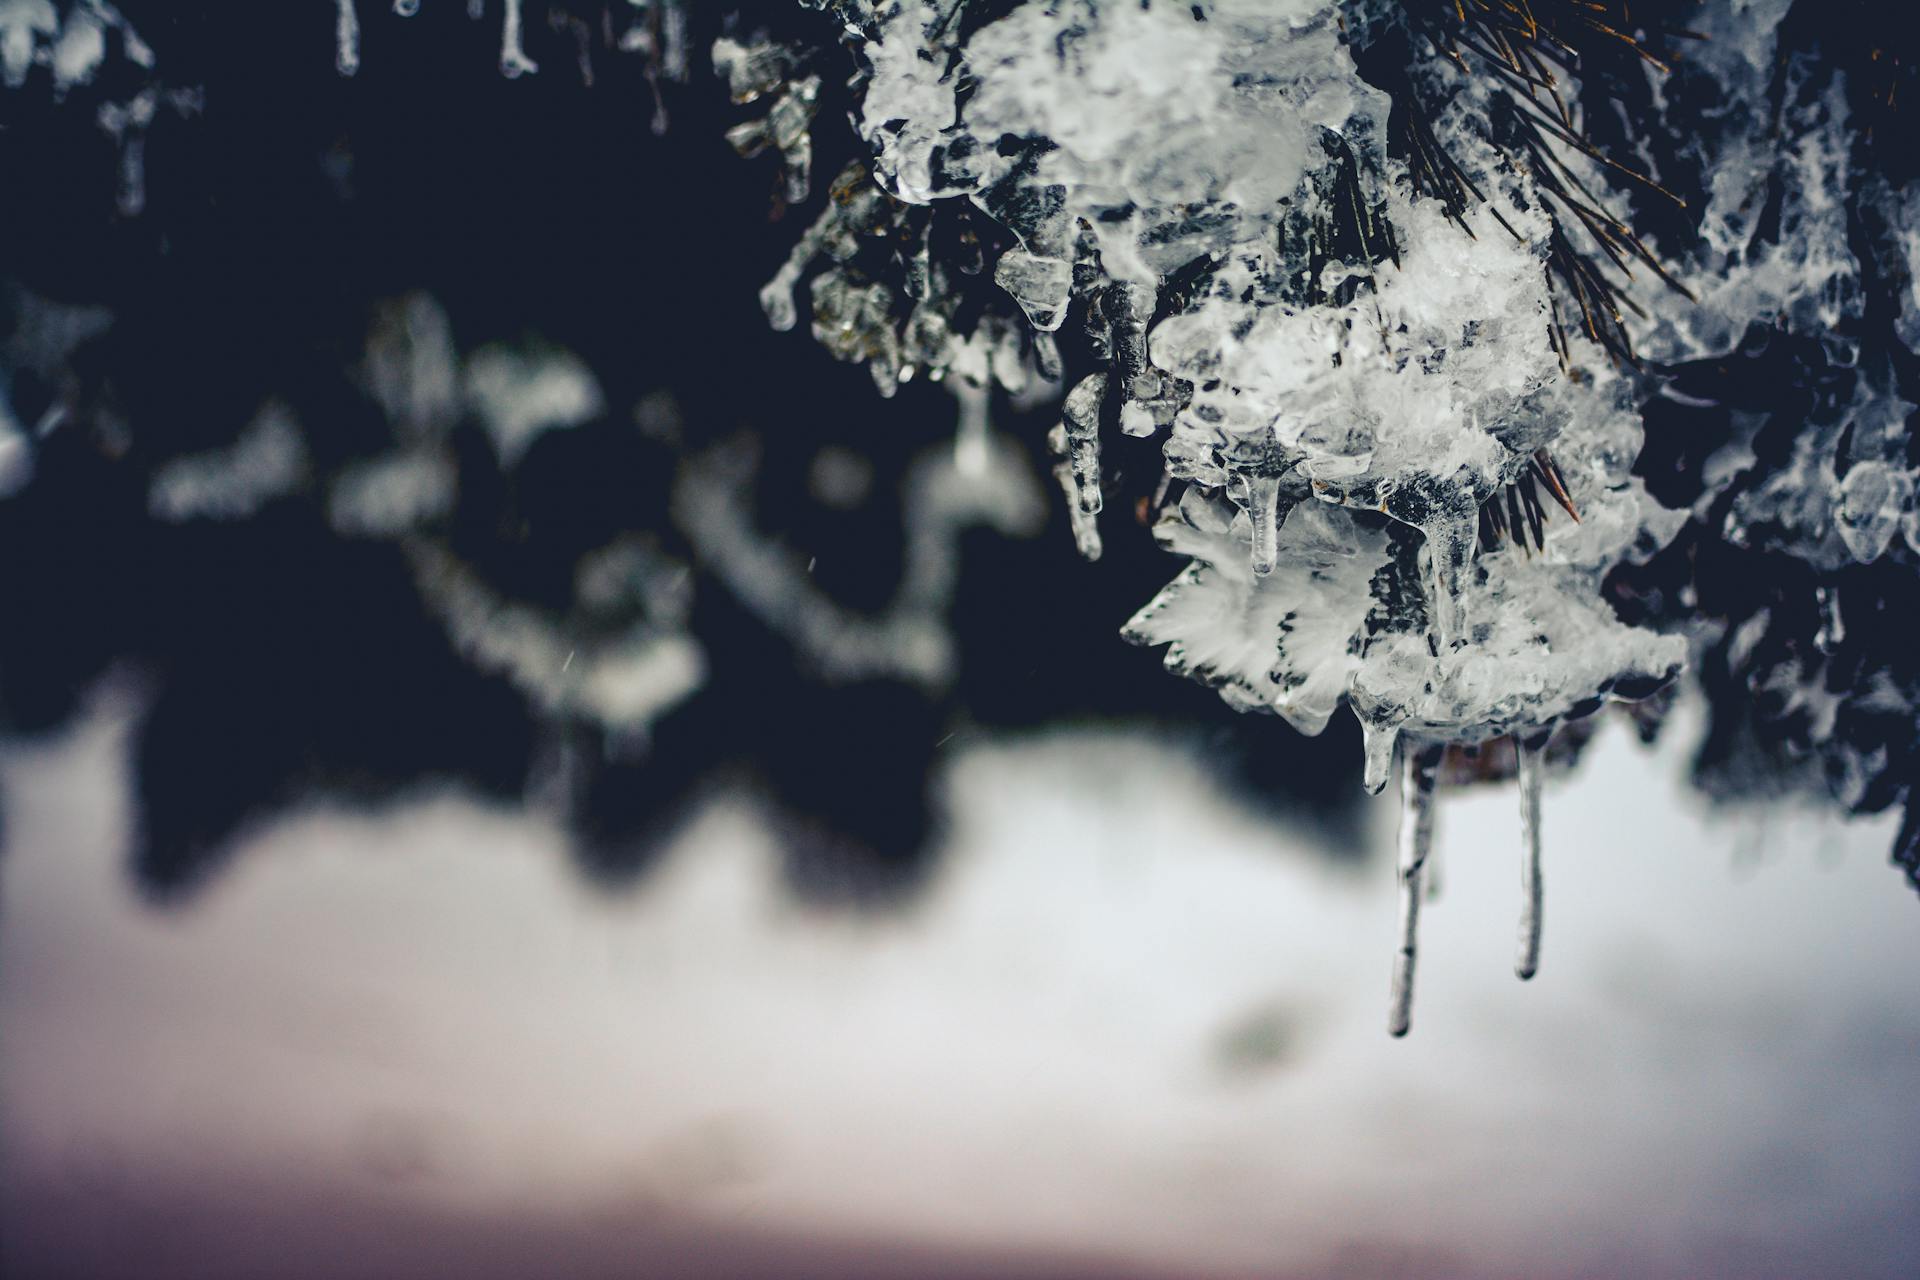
[(1415, 403)]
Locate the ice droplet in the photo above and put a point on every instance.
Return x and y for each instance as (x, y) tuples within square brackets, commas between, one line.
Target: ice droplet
[(1418, 777), (1377, 745), (1873, 498), (1529, 754), (1041, 285)]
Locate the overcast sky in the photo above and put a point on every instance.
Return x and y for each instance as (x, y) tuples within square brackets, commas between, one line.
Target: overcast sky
[(1130, 1023)]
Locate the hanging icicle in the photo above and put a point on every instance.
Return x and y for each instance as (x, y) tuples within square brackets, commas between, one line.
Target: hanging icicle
[(1420, 767), (1530, 753), (514, 61), (346, 38)]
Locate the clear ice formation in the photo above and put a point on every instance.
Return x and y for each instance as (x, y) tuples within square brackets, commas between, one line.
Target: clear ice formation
[(1334, 422)]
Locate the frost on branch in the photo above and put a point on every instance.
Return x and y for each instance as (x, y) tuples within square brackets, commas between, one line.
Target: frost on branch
[(1362, 378)]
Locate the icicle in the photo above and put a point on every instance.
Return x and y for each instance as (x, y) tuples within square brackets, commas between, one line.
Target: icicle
[(1086, 529), (1263, 508), (127, 124), (787, 128), (673, 41), (514, 61), (1418, 776), (1377, 743), (406, 8), (919, 264), (1529, 753), (970, 447), (476, 10), (1450, 542), (346, 38), (131, 195), (1130, 309), (1832, 630), (1081, 418)]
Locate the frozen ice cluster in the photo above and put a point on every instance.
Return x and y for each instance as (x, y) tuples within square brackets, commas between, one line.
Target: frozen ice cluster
[(87, 52), (1398, 481), (1785, 421), (1317, 393)]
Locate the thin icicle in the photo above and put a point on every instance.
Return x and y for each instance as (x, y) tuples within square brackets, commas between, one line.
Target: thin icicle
[(1832, 629), (1530, 753), (1450, 543), (1418, 777), (346, 38), (514, 61), (1080, 415), (1086, 528), (1263, 509)]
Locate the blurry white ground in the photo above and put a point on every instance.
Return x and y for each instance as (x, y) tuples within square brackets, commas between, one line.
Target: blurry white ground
[(1129, 1022)]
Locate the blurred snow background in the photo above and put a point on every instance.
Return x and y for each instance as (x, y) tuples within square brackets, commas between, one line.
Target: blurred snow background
[(1131, 1027)]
